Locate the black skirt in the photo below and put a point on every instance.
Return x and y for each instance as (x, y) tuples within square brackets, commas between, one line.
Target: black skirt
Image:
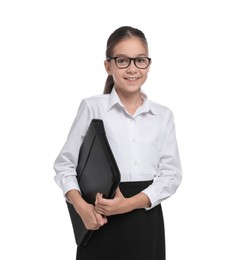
[(137, 235)]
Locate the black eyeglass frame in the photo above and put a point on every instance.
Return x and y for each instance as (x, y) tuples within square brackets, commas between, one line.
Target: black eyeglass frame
[(130, 59)]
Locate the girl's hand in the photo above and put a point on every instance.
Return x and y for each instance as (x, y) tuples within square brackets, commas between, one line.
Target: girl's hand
[(91, 219), (108, 207)]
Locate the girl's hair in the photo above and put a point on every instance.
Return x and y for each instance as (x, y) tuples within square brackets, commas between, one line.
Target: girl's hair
[(118, 35)]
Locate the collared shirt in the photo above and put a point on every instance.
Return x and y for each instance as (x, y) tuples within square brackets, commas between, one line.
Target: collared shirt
[(144, 144)]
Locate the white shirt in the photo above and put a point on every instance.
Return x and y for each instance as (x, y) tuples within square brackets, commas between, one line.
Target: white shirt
[(144, 144)]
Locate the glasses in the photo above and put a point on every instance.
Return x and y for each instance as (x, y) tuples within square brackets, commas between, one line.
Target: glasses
[(124, 62)]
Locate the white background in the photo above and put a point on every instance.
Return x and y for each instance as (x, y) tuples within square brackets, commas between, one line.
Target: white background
[(51, 56)]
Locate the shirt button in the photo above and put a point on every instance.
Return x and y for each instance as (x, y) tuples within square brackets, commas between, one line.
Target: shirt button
[(133, 140), (135, 162)]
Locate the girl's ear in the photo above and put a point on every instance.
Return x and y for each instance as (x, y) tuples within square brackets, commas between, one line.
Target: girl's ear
[(107, 67)]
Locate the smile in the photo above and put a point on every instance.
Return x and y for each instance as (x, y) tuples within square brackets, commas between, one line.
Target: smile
[(132, 79)]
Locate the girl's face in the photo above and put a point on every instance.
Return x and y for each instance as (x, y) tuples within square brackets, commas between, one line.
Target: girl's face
[(128, 80)]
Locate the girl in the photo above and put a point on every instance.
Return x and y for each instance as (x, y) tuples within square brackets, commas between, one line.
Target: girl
[(142, 137)]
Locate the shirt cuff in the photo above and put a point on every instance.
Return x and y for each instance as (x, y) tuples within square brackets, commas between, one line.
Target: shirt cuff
[(151, 195), (70, 183)]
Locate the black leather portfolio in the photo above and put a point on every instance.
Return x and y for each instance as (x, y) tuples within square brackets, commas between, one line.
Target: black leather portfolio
[(97, 171)]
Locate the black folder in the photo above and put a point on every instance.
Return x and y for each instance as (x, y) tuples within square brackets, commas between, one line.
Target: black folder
[(97, 171)]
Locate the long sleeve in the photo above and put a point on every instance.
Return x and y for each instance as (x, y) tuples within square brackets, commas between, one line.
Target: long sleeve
[(169, 174), (66, 162)]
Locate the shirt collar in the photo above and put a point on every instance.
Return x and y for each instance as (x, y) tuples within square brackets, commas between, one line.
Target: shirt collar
[(144, 108), (114, 99)]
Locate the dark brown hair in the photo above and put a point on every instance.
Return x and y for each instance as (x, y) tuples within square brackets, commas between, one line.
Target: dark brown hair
[(118, 35)]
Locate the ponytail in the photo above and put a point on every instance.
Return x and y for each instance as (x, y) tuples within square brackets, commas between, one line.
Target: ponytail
[(108, 85)]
